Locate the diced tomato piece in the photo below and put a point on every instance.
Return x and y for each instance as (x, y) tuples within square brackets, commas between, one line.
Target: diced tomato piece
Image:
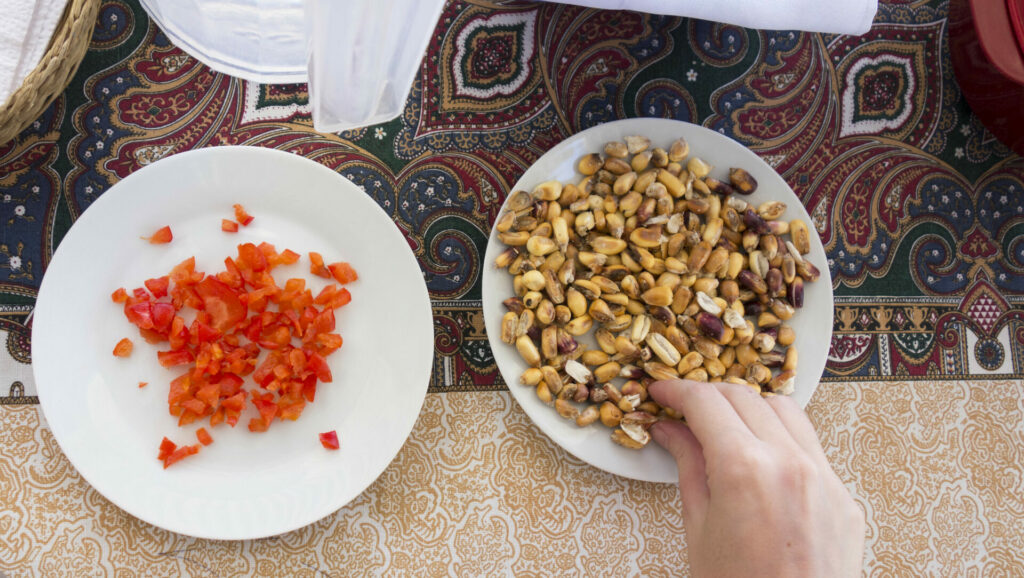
[(143, 384), (230, 384), (195, 406), (343, 272), (221, 303), (141, 314), (163, 316), (203, 333), (204, 436), (161, 236), (182, 273), (158, 286), (231, 276), (242, 216), (218, 417), (289, 257), (228, 226), (166, 447), (235, 402), (180, 454), (119, 295), (319, 367), (330, 440), (341, 299), (209, 394), (316, 265), (251, 257), (292, 411), (123, 348), (178, 336), (152, 336), (309, 388), (175, 357), (328, 343)]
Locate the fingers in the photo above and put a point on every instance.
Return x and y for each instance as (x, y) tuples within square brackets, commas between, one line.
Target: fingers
[(675, 437), (712, 419), (799, 427), (755, 413)]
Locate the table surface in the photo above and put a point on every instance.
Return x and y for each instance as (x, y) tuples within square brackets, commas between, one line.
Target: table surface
[(921, 211)]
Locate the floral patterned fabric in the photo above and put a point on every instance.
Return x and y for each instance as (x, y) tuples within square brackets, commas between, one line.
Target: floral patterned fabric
[(921, 211)]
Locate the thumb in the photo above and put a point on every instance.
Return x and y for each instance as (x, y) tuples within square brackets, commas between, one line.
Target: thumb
[(677, 438)]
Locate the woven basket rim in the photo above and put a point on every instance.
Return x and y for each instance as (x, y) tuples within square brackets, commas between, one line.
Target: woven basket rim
[(56, 68)]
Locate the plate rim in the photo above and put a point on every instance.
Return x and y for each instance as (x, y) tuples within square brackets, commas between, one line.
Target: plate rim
[(625, 126), (418, 292)]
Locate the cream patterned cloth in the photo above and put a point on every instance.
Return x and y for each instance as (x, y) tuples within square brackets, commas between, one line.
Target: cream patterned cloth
[(478, 490)]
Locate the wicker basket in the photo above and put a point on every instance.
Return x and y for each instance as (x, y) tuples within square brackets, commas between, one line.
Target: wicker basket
[(54, 71)]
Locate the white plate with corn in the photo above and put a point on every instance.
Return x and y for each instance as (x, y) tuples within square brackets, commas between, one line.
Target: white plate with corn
[(647, 249)]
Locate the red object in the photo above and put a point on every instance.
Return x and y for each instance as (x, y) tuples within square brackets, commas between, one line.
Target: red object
[(228, 226), (343, 272), (986, 41), (123, 348), (243, 217), (163, 235), (330, 440), (204, 436)]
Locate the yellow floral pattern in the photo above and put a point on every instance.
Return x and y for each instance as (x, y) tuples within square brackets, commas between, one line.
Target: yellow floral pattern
[(478, 490)]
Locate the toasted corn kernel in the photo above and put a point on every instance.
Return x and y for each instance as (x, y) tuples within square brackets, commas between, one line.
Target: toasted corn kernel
[(528, 350), (576, 301), (616, 149), (763, 342), (786, 336), (545, 312), (672, 183), (516, 239), (758, 373), (661, 347), (543, 393), (791, 359), (509, 322), (554, 381), (566, 409), (610, 414), (658, 296), (579, 325), (595, 357), (549, 342), (530, 377), (707, 303), (590, 164), (742, 181), (616, 166), (771, 210), (600, 312), (699, 374), (533, 280), (621, 322), (606, 341), (698, 168), (647, 237), (782, 383), (608, 245), (800, 236), (623, 439), (607, 372), (719, 258), (588, 416)]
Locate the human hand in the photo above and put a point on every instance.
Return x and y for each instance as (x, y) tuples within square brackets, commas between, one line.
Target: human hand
[(759, 497)]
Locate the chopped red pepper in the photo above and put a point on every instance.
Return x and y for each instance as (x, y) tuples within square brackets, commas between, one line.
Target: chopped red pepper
[(228, 226), (204, 436), (330, 440), (242, 216), (123, 348), (161, 236), (239, 312)]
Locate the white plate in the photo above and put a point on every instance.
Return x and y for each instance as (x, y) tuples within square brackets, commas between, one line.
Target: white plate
[(813, 323), (244, 485)]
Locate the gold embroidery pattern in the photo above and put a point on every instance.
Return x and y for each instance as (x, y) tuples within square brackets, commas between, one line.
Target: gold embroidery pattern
[(478, 490)]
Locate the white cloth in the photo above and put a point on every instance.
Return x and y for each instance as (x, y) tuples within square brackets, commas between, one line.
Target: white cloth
[(833, 16), (361, 56), (26, 27)]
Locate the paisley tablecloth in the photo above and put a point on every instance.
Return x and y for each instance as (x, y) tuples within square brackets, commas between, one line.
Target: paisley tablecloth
[(921, 211)]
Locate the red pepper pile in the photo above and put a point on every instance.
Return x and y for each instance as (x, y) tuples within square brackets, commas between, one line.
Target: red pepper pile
[(240, 312)]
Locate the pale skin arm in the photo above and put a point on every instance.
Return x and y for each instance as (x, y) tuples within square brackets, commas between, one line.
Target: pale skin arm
[(759, 497)]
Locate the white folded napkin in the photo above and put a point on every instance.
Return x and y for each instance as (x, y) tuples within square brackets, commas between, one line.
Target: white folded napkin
[(361, 56), (834, 16), (25, 31)]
